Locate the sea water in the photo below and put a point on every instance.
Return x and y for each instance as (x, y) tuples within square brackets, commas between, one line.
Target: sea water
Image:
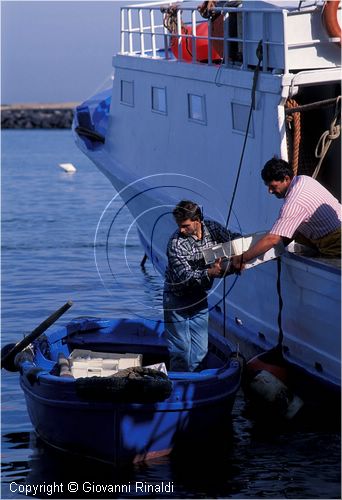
[(68, 236)]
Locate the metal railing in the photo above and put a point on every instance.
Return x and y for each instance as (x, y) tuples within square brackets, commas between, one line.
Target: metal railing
[(143, 34)]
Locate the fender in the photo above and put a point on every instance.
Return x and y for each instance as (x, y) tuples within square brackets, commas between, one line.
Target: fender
[(330, 21)]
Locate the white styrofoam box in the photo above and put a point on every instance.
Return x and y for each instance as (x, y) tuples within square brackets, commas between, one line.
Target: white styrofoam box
[(241, 245), (85, 363), (237, 247)]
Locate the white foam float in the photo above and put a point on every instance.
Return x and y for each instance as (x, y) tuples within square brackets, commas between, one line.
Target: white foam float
[(68, 167)]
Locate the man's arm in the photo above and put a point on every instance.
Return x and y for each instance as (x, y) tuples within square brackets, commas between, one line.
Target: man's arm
[(263, 245)]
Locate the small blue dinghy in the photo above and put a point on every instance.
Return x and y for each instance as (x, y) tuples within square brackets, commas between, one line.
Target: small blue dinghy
[(78, 402)]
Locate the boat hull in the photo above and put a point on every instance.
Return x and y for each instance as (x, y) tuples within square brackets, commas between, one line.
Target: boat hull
[(126, 435)]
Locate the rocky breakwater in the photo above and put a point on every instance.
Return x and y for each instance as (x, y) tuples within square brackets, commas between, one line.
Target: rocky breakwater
[(29, 116)]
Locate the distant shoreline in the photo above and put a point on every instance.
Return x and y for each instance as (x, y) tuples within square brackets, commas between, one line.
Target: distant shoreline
[(37, 115)]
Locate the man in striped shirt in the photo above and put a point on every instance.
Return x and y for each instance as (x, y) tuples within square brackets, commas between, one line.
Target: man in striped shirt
[(310, 214), (187, 282)]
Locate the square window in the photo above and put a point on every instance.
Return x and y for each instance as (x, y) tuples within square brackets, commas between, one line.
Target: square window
[(240, 114), (197, 111), (127, 92), (159, 100)]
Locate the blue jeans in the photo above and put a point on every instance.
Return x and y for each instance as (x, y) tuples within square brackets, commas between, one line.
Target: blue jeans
[(186, 329)]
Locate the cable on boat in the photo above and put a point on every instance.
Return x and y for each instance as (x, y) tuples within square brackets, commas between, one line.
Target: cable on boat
[(259, 55), (280, 299), (251, 109), (143, 261)]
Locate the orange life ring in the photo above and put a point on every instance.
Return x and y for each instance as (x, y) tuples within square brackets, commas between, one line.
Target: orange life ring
[(330, 21), (201, 44)]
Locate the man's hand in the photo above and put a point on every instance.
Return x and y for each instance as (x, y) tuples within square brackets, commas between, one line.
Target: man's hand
[(217, 271), (263, 245), (237, 262)]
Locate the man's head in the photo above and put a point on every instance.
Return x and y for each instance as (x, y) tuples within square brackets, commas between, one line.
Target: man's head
[(188, 217), (277, 174)]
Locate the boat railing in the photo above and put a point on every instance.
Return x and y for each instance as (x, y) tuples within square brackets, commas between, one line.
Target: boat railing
[(290, 39)]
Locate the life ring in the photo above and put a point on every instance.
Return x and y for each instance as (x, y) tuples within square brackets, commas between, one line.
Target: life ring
[(201, 44), (330, 20)]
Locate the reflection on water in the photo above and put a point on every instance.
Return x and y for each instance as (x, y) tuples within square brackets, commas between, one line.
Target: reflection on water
[(253, 460), (202, 474)]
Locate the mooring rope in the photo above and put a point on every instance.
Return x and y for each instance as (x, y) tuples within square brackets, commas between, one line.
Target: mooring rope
[(294, 120)]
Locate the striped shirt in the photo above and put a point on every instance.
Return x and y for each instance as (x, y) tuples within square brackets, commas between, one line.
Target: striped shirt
[(186, 271), (309, 209)]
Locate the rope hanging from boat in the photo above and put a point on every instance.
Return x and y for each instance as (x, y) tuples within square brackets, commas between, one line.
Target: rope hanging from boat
[(179, 41), (327, 137), (190, 42), (293, 113), (170, 19), (293, 122), (252, 107), (259, 55)]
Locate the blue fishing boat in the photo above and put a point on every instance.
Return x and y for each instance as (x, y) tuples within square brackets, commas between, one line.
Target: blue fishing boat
[(130, 418), (196, 108)]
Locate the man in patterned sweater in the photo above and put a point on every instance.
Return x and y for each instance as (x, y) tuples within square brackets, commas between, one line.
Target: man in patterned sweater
[(310, 215), (187, 282)]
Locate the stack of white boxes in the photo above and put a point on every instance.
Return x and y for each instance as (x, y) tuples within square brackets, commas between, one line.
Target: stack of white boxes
[(85, 363)]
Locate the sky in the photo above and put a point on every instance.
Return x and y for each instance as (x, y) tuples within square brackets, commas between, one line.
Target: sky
[(57, 51)]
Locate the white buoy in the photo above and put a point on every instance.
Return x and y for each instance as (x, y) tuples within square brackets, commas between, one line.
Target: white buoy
[(68, 167)]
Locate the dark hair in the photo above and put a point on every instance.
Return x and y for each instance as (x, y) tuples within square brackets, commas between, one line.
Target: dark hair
[(276, 170), (187, 209)]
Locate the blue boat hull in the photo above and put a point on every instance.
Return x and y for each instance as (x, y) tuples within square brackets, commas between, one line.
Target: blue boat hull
[(196, 411)]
